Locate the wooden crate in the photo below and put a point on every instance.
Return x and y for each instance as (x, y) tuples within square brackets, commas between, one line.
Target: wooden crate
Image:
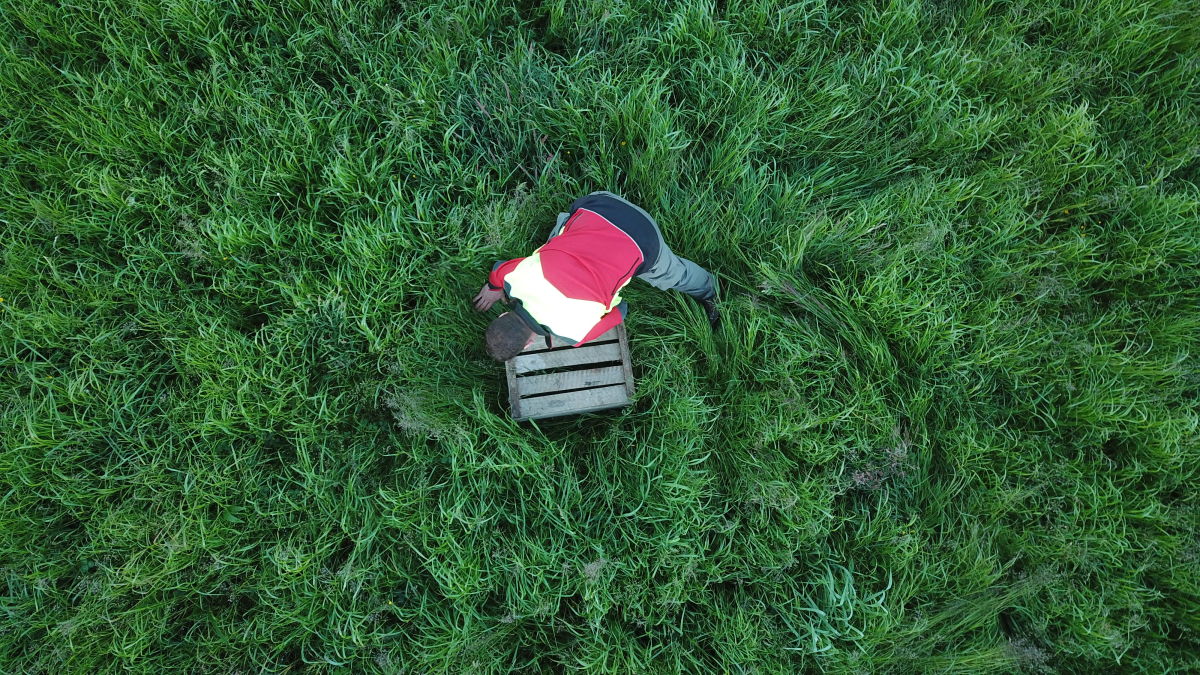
[(564, 380)]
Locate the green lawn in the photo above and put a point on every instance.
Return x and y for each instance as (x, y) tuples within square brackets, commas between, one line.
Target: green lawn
[(950, 422)]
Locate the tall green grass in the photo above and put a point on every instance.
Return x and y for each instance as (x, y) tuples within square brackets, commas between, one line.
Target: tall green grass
[(949, 422)]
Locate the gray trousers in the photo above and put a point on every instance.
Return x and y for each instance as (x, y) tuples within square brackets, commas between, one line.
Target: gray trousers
[(670, 271)]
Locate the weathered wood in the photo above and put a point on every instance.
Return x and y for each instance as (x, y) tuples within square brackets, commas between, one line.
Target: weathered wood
[(626, 361), (531, 395), (568, 356), (514, 393), (571, 379), (573, 403), (539, 343), (612, 334)]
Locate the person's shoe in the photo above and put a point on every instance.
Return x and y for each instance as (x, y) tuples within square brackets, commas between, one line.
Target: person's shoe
[(711, 311)]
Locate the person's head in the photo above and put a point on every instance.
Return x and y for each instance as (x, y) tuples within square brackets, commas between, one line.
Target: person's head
[(506, 336)]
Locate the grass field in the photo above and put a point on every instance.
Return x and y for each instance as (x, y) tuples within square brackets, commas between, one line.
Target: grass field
[(950, 422)]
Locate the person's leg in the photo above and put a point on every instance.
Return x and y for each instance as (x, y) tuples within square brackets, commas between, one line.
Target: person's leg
[(671, 271), (681, 274)]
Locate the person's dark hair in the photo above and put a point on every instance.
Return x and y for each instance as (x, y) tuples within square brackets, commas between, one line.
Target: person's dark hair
[(506, 336)]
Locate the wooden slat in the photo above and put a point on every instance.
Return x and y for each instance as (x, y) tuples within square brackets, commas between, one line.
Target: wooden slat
[(539, 342), (612, 334), (571, 356), (611, 386), (626, 360), (587, 400), (571, 379), (514, 395)]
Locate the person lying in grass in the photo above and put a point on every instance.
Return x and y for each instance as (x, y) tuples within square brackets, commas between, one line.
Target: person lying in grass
[(569, 287)]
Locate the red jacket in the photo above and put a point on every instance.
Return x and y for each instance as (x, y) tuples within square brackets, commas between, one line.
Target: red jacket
[(590, 260)]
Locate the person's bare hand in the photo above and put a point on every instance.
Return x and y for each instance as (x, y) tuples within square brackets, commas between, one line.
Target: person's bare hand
[(486, 298)]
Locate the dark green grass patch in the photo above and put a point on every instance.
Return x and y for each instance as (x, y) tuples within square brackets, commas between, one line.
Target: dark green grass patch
[(949, 422)]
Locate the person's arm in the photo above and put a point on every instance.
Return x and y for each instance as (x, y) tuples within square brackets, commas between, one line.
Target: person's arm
[(607, 323), (493, 290), (499, 270)]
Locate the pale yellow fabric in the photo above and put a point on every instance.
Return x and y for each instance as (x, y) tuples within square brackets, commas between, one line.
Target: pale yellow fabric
[(571, 318)]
